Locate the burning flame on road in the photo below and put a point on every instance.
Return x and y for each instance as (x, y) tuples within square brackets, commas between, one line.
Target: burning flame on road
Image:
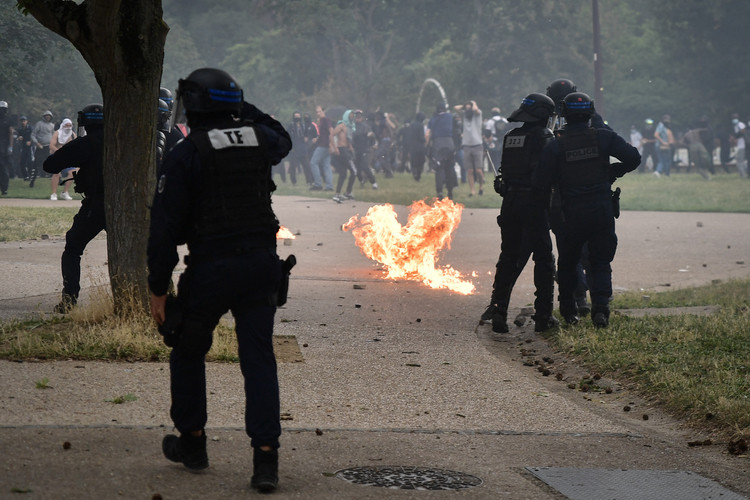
[(284, 234), (410, 252)]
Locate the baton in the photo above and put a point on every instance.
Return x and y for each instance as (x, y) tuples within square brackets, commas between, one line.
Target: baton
[(487, 152)]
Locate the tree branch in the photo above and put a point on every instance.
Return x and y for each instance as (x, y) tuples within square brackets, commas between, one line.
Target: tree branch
[(63, 17)]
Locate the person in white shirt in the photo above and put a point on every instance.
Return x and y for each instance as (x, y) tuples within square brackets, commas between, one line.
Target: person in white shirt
[(739, 134), (61, 137)]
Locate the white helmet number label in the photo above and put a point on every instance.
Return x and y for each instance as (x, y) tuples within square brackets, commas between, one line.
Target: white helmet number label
[(233, 137), (514, 141)]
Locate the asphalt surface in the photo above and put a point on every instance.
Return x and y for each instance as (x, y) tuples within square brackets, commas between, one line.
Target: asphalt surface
[(393, 374)]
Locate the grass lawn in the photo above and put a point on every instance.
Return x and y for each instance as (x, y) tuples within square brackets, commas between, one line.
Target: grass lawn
[(697, 366), (678, 193)]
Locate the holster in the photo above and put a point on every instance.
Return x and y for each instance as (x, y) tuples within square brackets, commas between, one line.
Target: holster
[(501, 187), (283, 292), (172, 326), (616, 202)]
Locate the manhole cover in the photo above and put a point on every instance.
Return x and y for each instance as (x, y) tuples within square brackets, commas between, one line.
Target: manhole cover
[(408, 478), (595, 484)]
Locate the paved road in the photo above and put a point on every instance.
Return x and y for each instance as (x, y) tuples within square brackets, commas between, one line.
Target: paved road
[(394, 374)]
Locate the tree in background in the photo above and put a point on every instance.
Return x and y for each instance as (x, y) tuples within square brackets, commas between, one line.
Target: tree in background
[(685, 57), (123, 43)]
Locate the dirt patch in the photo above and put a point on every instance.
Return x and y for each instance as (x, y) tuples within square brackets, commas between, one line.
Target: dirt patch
[(286, 349), (564, 373)]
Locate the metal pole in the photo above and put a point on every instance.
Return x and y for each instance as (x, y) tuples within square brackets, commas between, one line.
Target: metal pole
[(598, 88)]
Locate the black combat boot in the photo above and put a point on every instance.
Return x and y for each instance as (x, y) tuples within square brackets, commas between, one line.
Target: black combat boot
[(487, 314), (66, 304), (542, 323), (500, 320), (600, 316), (583, 306), (187, 449), (569, 312), (265, 470)]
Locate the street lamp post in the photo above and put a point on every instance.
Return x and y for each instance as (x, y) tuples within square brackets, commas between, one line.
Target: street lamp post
[(598, 88)]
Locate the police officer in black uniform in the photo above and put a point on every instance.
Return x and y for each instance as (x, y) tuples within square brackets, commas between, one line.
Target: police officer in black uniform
[(165, 141), (577, 163), (557, 91), (174, 134), (214, 193), (523, 235), (85, 152)]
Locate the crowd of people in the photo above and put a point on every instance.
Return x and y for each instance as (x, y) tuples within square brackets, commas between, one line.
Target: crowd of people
[(25, 147), (460, 145), (660, 146), (358, 145)]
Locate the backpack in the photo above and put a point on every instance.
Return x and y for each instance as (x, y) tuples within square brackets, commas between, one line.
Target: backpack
[(501, 126)]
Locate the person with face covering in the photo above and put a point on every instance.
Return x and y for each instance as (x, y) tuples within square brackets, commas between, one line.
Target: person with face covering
[(61, 137)]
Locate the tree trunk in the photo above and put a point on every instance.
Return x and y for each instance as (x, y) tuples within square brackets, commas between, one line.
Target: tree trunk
[(123, 43)]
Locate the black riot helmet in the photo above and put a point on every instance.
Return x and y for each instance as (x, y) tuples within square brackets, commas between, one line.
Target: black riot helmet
[(577, 107), (164, 115), (558, 89), (209, 90), (166, 95), (533, 108), (91, 116)]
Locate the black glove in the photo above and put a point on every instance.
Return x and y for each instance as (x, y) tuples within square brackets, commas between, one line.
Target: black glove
[(172, 326), (616, 171)]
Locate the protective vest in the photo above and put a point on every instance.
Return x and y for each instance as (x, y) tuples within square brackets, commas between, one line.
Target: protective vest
[(583, 164), (236, 185), (521, 151)]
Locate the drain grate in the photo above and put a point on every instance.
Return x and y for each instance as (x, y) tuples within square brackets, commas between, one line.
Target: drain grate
[(409, 478), (596, 484)]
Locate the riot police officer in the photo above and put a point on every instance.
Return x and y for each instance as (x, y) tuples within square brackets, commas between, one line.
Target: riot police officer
[(86, 153), (214, 193), (173, 133), (163, 144), (523, 235), (557, 91), (577, 162)]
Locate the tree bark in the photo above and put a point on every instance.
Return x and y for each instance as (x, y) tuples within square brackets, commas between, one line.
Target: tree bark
[(123, 43)]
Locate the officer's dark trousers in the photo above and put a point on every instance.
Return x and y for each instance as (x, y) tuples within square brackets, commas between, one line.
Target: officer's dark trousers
[(208, 288), (521, 239), (587, 220), (87, 223), (556, 225)]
